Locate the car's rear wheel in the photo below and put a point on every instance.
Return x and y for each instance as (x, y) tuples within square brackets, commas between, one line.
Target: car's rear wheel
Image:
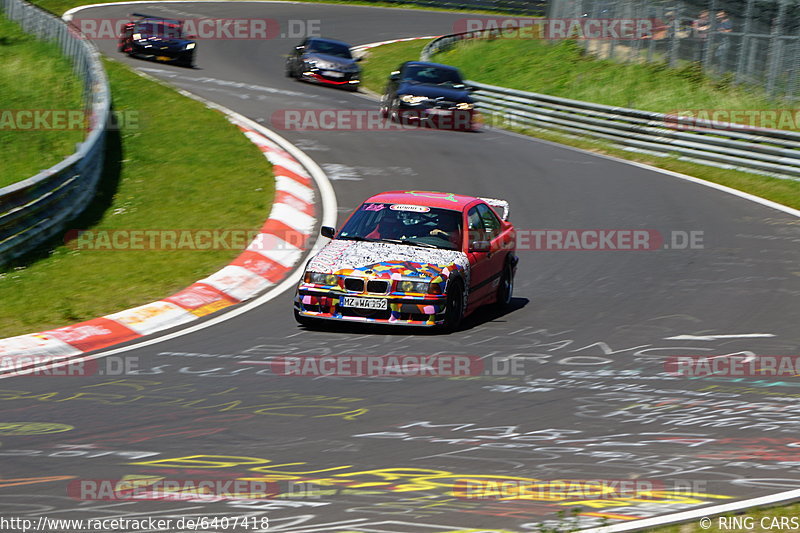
[(505, 290), (454, 311)]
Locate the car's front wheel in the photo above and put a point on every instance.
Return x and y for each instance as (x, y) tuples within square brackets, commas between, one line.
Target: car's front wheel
[(454, 310), (385, 106), (304, 321)]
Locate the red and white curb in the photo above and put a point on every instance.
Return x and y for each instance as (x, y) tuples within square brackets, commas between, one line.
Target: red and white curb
[(268, 259)]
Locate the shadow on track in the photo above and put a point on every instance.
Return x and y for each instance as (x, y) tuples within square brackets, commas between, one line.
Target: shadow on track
[(480, 316)]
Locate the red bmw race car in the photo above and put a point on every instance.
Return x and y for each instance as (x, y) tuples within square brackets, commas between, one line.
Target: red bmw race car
[(412, 258)]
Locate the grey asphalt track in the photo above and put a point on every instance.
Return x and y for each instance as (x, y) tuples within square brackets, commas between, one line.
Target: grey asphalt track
[(590, 329)]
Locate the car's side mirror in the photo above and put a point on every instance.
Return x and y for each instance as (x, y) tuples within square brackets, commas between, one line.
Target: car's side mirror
[(394, 76), (327, 231), (480, 246)]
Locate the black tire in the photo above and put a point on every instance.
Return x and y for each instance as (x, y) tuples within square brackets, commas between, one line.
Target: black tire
[(186, 60), (304, 321), (384, 107), (505, 290), (454, 310)]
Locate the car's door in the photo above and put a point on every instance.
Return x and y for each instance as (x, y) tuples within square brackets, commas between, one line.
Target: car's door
[(479, 258), (500, 242), (487, 246)]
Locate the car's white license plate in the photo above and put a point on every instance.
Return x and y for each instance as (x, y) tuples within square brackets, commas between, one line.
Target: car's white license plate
[(364, 303), (333, 74), (437, 111)]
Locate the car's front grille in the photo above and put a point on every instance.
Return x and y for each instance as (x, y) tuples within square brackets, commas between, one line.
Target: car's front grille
[(445, 104), (378, 286), (354, 284)]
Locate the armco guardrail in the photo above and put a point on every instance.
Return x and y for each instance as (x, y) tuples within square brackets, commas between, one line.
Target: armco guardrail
[(516, 7), (726, 145), (37, 208)]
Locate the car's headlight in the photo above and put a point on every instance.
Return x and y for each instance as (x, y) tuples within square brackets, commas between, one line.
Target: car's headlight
[(318, 278), (464, 105), (190, 46), (137, 36), (411, 99), (413, 286)]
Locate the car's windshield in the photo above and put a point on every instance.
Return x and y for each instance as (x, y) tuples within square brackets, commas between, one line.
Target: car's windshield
[(432, 75), (413, 225), (159, 29), (331, 49)]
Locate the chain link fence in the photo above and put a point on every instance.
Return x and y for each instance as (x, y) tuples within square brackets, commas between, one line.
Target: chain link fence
[(749, 41), (36, 209), (536, 8)]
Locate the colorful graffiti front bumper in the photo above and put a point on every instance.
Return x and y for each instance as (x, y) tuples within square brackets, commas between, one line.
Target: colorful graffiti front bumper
[(313, 302)]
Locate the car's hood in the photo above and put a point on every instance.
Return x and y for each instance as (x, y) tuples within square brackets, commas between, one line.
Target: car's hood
[(387, 260), (434, 91), (338, 62)]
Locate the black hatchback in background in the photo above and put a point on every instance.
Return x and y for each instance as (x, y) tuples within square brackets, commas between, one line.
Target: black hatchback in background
[(157, 38), (325, 61), (429, 94)]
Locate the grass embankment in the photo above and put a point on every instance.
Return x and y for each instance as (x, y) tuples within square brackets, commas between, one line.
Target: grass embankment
[(563, 70), (33, 76), (61, 6), (181, 166)]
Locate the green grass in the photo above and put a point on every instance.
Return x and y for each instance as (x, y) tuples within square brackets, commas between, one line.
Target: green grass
[(183, 166), (565, 70), (386, 58), (34, 75)]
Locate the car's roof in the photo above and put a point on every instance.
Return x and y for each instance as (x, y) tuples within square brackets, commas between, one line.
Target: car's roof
[(429, 64), (327, 40), (444, 200)]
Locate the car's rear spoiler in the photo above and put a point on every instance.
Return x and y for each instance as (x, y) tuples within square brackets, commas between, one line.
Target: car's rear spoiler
[(499, 205), (155, 17)]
